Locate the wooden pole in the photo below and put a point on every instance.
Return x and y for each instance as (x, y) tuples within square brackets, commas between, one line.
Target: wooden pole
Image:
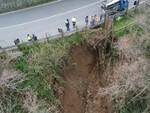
[(106, 23)]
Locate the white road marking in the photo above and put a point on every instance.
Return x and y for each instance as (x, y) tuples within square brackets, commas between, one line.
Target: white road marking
[(46, 18), (25, 9)]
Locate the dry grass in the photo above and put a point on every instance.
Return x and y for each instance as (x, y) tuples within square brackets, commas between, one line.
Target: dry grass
[(130, 90)]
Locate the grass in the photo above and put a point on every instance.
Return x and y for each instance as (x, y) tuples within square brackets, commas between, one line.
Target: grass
[(22, 64), (3, 56), (42, 64), (126, 25), (10, 5), (121, 26), (137, 106), (122, 21), (136, 101), (10, 101)]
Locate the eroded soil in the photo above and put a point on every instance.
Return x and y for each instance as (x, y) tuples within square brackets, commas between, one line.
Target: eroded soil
[(82, 83)]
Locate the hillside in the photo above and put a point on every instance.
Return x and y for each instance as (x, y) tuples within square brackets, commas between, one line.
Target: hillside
[(92, 71)]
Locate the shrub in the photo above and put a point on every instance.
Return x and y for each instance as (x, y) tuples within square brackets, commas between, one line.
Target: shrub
[(21, 64)]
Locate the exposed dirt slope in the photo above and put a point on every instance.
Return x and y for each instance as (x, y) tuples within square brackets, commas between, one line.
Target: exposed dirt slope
[(82, 82)]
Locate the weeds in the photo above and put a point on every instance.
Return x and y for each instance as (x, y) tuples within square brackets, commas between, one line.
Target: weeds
[(135, 97), (137, 106), (146, 47), (22, 64), (42, 65), (122, 21), (120, 25), (128, 27), (114, 54), (10, 101), (3, 56)]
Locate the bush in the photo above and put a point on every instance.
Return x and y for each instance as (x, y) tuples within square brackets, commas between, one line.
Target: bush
[(29, 49), (21, 64)]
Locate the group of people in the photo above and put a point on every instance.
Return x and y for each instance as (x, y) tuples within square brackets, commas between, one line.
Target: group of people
[(67, 23), (30, 38), (95, 20), (89, 20)]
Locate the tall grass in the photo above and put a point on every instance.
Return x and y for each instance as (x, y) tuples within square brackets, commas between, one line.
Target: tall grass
[(136, 99), (10, 101), (42, 64)]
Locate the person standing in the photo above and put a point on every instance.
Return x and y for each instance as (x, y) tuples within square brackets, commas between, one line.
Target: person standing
[(67, 23), (101, 18), (29, 37), (17, 41), (34, 37), (92, 21), (60, 31), (86, 20), (96, 20), (74, 20)]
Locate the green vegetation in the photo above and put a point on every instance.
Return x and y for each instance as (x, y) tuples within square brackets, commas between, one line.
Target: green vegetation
[(135, 99), (146, 47), (122, 21), (42, 63), (22, 64), (3, 56), (10, 5), (138, 105), (10, 101), (122, 24), (125, 25)]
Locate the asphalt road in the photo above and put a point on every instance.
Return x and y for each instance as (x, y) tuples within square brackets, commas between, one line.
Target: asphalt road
[(44, 19)]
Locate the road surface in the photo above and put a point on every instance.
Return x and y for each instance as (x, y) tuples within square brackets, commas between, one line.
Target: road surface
[(44, 19)]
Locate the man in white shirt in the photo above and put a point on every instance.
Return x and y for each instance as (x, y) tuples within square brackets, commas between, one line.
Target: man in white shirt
[(74, 20)]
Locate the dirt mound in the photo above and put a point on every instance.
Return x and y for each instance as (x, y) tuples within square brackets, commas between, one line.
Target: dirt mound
[(82, 82)]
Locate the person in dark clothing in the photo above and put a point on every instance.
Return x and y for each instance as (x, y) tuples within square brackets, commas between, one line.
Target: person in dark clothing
[(34, 37), (87, 20), (61, 32), (101, 17), (67, 23), (17, 41)]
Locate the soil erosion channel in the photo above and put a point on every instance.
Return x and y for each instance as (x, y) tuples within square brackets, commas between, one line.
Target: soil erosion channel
[(82, 81)]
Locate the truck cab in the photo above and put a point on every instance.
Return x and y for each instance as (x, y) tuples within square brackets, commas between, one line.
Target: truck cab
[(115, 6)]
